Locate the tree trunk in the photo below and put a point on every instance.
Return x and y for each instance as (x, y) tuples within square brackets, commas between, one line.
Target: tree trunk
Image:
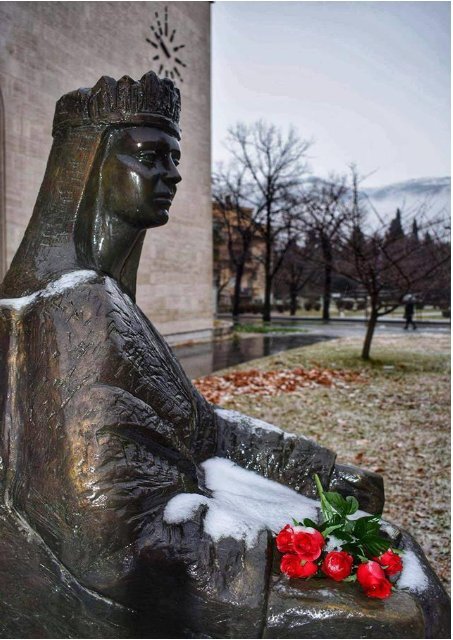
[(267, 298), (237, 291), (327, 291), (369, 334), (327, 257), (293, 301), (267, 272)]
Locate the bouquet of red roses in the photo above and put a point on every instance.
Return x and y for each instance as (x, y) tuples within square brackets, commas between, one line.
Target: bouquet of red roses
[(361, 554)]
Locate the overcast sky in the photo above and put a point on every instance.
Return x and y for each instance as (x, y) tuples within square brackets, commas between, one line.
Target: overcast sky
[(369, 82)]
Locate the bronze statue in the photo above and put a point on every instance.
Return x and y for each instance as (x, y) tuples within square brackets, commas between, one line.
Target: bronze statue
[(107, 516)]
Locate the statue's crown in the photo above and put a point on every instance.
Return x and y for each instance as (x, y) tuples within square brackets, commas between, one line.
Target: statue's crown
[(150, 101)]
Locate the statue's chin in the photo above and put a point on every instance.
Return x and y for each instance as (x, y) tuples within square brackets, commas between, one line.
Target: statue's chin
[(151, 219), (160, 219)]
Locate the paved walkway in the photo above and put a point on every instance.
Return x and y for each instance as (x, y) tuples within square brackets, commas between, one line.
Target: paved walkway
[(343, 329)]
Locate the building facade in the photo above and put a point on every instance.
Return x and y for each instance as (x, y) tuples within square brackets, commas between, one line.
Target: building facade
[(50, 48)]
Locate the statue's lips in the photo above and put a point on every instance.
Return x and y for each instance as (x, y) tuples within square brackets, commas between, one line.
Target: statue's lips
[(163, 200)]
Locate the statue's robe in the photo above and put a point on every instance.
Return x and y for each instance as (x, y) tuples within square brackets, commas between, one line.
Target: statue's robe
[(101, 429)]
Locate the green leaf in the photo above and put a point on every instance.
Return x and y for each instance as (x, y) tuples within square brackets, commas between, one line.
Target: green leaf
[(351, 578), (337, 502), (368, 525), (349, 526), (353, 548), (353, 505), (295, 522), (330, 529), (371, 521), (333, 520), (309, 523), (341, 534), (376, 545)]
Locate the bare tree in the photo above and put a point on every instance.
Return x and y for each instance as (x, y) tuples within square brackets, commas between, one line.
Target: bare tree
[(273, 163), (236, 223), (296, 271), (325, 217), (389, 266)]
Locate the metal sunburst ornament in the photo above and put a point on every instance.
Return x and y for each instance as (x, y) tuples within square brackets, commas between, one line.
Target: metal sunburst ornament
[(167, 55)]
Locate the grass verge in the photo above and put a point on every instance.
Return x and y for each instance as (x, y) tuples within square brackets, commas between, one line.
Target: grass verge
[(258, 328)]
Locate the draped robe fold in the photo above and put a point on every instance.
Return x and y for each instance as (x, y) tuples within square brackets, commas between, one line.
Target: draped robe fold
[(101, 428)]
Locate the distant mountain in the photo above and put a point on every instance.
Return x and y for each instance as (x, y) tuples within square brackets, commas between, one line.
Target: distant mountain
[(431, 194)]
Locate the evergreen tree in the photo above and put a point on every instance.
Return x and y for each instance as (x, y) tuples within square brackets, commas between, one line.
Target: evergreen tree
[(395, 231)]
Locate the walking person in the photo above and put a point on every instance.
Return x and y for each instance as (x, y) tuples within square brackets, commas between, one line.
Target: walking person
[(409, 314)]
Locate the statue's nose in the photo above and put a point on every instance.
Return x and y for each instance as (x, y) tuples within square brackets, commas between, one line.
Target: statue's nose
[(172, 174)]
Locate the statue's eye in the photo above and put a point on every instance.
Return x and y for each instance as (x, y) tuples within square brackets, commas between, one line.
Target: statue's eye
[(175, 160), (148, 158)]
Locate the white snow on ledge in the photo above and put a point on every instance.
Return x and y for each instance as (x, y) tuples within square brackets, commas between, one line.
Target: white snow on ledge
[(412, 576), (250, 423), (243, 503), (64, 282)]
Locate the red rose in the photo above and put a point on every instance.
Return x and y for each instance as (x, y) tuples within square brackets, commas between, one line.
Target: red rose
[(372, 579), (390, 562), (308, 543), (294, 567), (337, 565), (284, 540)]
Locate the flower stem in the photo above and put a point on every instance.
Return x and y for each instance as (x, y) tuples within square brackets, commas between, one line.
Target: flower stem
[(319, 486)]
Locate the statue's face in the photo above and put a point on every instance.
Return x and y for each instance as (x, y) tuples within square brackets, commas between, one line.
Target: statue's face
[(139, 175)]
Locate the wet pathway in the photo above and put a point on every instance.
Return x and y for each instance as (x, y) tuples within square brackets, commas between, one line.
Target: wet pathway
[(204, 358)]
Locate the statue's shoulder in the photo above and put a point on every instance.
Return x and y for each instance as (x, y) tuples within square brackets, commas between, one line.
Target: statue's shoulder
[(73, 290)]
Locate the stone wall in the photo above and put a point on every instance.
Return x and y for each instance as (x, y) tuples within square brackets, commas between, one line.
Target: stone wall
[(49, 48)]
